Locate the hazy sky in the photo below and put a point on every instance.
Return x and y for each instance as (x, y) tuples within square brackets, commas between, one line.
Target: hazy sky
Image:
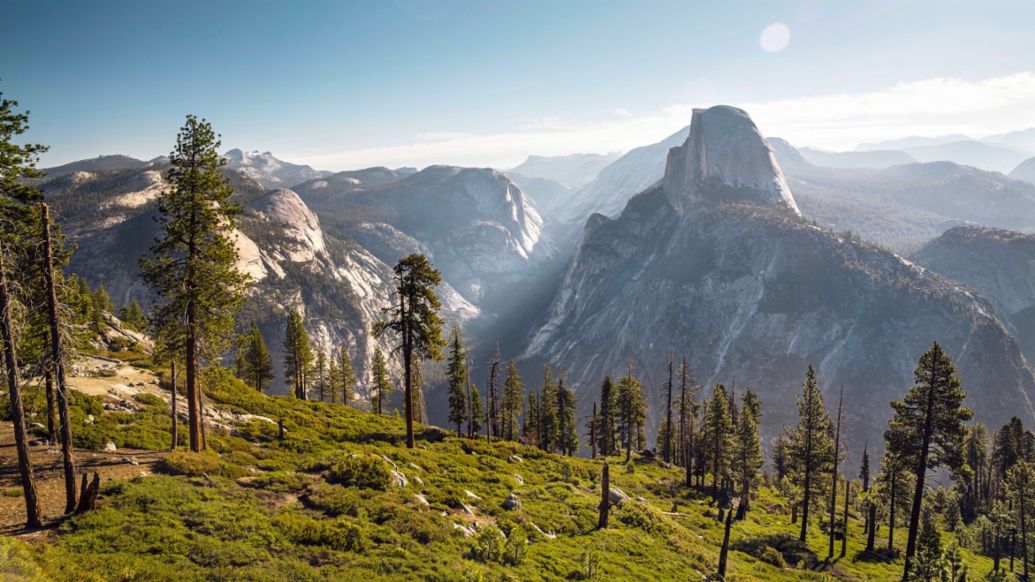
[(351, 84)]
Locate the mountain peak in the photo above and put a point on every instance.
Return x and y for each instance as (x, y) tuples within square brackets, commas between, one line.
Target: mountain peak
[(726, 157)]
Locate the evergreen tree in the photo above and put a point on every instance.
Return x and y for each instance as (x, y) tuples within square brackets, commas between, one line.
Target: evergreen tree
[(810, 446), (548, 428), (632, 411), (567, 431), (781, 466), (513, 393), (474, 409), (298, 355), (834, 477), (348, 376), (458, 380), (928, 429), (530, 429), (495, 399), (258, 362), (718, 437), (193, 269), (333, 377), (870, 524), (747, 449), (321, 375), (893, 487), (415, 322), (668, 438), (382, 389), (607, 418), (977, 492), (1020, 491), (927, 566), (133, 316)]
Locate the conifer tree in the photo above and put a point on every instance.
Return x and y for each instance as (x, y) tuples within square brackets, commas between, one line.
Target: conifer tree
[(632, 411), (718, 436), (258, 362), (513, 393), (871, 507), (548, 412), (415, 323), (193, 269), (607, 418), (666, 448), (530, 429), (928, 429), (321, 375), (333, 377), (495, 399), (592, 428), (747, 449), (382, 388), (893, 484), (298, 355), (834, 476), (810, 446), (927, 566), (1020, 491), (133, 316), (458, 380), (474, 409), (348, 376), (567, 430), (977, 492)]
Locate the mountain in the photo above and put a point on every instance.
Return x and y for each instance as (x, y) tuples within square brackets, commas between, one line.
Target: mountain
[(994, 158), (911, 142), (715, 263), (867, 159), (1025, 171), (268, 171), (629, 174), (573, 170), (349, 180), (339, 286), (997, 264), (99, 164), (475, 225), (548, 195), (1023, 140)]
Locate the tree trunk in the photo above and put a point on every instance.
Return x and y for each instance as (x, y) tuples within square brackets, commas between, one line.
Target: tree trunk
[(52, 417), (201, 416), (806, 494), (1024, 529), (175, 417), (408, 372), (918, 492), (605, 499), (666, 452), (725, 545), (593, 432), (844, 533), (21, 443), (193, 410), (871, 533), (57, 360), (891, 513), (833, 480)]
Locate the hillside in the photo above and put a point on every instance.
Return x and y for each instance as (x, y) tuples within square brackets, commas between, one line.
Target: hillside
[(339, 497)]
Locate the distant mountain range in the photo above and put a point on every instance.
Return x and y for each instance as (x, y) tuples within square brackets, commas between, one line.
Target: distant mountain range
[(571, 171)]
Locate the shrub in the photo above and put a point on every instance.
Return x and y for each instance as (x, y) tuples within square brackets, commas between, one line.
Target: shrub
[(516, 547), (196, 465), (148, 399), (771, 555), (488, 545), (337, 534), (362, 473)]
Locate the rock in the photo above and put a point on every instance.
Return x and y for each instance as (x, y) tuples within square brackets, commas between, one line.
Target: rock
[(515, 459), (647, 454), (37, 442), (617, 496), (414, 466), (548, 535), (418, 480), (471, 495), (398, 479), (641, 500), (110, 447), (467, 531), (89, 419), (422, 500), (466, 508), (37, 426), (519, 479), (130, 461), (776, 508), (390, 462), (512, 502)]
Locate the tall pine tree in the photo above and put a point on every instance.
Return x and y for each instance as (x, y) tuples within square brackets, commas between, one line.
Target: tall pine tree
[(810, 446), (382, 388), (567, 430), (457, 377)]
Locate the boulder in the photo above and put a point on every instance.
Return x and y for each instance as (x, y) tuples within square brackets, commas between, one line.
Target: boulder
[(512, 502), (616, 496), (110, 447)]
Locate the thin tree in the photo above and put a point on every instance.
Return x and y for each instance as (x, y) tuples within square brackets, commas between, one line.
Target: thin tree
[(474, 409), (605, 496), (348, 375), (548, 421), (57, 360), (666, 449), (607, 418), (718, 430), (747, 449), (632, 409), (513, 392), (298, 355), (834, 475), (258, 359), (810, 447), (415, 322), (871, 507), (493, 424), (457, 377), (592, 426), (844, 533), (928, 429), (382, 388), (21, 443), (321, 374), (567, 431), (194, 266), (1020, 489)]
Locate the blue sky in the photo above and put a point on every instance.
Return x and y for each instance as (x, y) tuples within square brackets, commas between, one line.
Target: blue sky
[(348, 84)]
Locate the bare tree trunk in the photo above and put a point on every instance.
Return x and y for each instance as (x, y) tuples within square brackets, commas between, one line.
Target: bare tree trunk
[(57, 358), (175, 418), (844, 534), (52, 416), (666, 451), (605, 499), (201, 416), (593, 432), (725, 545), (833, 479), (21, 443), (193, 410)]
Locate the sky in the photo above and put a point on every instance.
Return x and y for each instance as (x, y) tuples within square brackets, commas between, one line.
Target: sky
[(343, 85)]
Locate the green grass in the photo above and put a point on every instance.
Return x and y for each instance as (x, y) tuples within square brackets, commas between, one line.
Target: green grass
[(323, 503)]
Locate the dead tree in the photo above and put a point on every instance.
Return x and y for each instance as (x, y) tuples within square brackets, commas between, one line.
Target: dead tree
[(175, 426), (605, 496), (57, 360), (21, 443), (833, 479), (724, 551), (88, 494)]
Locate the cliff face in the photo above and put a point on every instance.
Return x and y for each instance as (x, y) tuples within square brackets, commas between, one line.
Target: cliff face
[(715, 263)]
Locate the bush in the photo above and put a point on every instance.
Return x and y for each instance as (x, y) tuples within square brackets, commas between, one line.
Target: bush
[(362, 473), (148, 399), (516, 548), (488, 545), (771, 555), (337, 534), (196, 465)]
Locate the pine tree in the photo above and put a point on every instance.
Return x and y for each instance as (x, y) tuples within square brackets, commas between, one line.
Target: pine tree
[(977, 492), (632, 411), (513, 393), (810, 446), (718, 436), (415, 322), (298, 356), (871, 507), (474, 409), (668, 437), (928, 429), (834, 476), (348, 376), (747, 449), (530, 429), (893, 486), (259, 363), (321, 375), (548, 428), (194, 266), (133, 316), (382, 388), (607, 418), (927, 566), (458, 380), (567, 431), (1020, 491), (495, 399)]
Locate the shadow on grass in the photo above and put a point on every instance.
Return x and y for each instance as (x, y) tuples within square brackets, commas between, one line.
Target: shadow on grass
[(780, 550)]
